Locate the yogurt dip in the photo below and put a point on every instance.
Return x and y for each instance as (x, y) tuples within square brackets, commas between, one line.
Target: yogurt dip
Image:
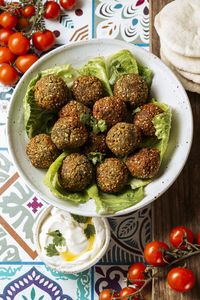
[(68, 241)]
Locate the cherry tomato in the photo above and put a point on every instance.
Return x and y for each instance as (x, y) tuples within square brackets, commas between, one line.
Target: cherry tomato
[(43, 41), (8, 74), (128, 291), (2, 3), (67, 4), (181, 279), (107, 294), (178, 233), (136, 274), (198, 238), (7, 20), (23, 62), (18, 43), (52, 10), (22, 23), (6, 56), (28, 11), (153, 253), (4, 35)]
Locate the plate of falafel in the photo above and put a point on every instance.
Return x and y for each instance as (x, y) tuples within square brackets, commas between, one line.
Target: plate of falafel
[(98, 128)]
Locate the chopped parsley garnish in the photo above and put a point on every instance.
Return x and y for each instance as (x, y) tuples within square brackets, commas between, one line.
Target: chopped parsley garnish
[(58, 240), (89, 230), (96, 125), (51, 250), (80, 219), (96, 157)]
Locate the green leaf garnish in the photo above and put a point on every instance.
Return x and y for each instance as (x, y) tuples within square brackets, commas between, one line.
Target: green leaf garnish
[(80, 219), (58, 238), (89, 230), (51, 250), (96, 157), (94, 124)]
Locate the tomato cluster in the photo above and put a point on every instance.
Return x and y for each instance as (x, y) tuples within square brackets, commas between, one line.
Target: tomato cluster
[(20, 38), (158, 254)]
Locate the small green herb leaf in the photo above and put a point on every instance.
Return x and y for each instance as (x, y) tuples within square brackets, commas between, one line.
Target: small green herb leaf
[(89, 230), (80, 219), (96, 157), (58, 239), (51, 250), (94, 124)]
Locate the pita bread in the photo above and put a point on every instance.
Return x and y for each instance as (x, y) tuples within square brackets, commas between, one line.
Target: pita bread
[(190, 76), (178, 26), (188, 85), (184, 63)]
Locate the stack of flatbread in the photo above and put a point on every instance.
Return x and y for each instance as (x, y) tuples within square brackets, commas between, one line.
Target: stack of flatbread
[(178, 25)]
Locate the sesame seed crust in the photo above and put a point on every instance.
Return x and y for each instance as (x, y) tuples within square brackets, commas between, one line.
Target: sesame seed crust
[(112, 175), (143, 118), (131, 88), (69, 133), (144, 164), (123, 138), (51, 92), (41, 151), (111, 109)]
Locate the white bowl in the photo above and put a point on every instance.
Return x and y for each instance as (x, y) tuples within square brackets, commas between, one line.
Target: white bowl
[(165, 88), (81, 267)]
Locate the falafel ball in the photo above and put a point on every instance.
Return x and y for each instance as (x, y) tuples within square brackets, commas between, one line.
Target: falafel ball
[(112, 175), (123, 138), (73, 108), (131, 88), (76, 172), (51, 92), (144, 164), (87, 89), (41, 151), (69, 133), (96, 143), (143, 118), (111, 109)]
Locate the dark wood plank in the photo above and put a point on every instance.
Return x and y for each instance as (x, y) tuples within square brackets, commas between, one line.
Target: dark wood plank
[(180, 205)]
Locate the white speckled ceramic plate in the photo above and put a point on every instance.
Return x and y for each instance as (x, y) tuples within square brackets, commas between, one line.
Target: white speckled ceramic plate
[(165, 88)]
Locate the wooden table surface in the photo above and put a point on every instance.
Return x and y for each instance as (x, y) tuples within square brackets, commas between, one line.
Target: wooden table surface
[(180, 205)]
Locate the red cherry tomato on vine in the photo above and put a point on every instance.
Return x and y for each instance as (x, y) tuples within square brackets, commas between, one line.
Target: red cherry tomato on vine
[(7, 20), (178, 233), (24, 62), (136, 274), (107, 294), (6, 56), (153, 253), (52, 10), (128, 291), (18, 43), (67, 4), (22, 23), (198, 238), (8, 74), (181, 279), (28, 11), (5, 35), (43, 41)]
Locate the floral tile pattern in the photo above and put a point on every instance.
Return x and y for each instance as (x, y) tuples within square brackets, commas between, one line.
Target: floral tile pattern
[(22, 275)]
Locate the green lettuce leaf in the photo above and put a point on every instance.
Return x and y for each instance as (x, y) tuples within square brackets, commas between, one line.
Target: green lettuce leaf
[(120, 63), (97, 67), (146, 73), (52, 181), (37, 120)]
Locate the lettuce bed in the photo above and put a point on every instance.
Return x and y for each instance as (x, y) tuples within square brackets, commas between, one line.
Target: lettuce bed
[(108, 70)]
